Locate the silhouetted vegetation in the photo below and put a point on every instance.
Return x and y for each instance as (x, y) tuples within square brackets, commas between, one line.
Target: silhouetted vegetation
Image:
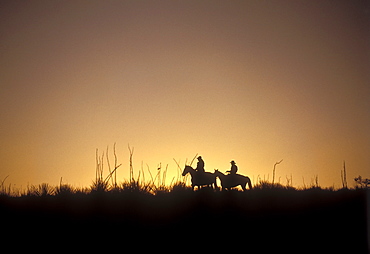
[(271, 216), (362, 183), (313, 218)]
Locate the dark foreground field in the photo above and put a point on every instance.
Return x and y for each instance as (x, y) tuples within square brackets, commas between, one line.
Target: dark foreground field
[(258, 220)]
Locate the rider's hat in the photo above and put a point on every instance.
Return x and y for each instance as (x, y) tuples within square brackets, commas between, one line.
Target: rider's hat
[(232, 162)]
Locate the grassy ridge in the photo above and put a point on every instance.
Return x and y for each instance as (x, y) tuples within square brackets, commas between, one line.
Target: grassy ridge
[(269, 218), (315, 218)]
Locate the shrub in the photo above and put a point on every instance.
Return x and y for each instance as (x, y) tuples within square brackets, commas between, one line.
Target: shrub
[(99, 185), (64, 189), (362, 183), (42, 190)]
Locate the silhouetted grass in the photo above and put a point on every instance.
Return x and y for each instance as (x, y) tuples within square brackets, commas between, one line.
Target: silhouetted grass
[(266, 185), (64, 190), (271, 215), (41, 190), (330, 220), (150, 187)]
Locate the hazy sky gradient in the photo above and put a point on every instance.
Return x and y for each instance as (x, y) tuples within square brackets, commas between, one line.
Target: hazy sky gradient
[(250, 81)]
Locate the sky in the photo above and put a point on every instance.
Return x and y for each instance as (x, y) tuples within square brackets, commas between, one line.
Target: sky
[(250, 81)]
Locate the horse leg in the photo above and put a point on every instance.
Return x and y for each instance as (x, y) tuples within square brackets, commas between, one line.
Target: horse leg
[(249, 184), (243, 186)]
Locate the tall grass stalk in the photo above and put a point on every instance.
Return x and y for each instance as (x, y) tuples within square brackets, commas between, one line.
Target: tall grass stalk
[(3, 189)]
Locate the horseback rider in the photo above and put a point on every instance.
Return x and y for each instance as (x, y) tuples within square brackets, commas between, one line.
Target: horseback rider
[(200, 165), (233, 169)]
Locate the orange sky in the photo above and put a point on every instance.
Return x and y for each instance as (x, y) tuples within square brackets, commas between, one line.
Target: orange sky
[(250, 81)]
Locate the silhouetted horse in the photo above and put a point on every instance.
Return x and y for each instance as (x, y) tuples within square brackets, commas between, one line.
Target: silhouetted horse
[(199, 178), (229, 181)]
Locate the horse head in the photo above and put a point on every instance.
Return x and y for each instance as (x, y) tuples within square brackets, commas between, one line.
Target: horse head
[(187, 169), (218, 173)]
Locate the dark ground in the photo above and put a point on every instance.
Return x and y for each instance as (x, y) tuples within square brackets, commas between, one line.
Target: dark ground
[(265, 220)]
